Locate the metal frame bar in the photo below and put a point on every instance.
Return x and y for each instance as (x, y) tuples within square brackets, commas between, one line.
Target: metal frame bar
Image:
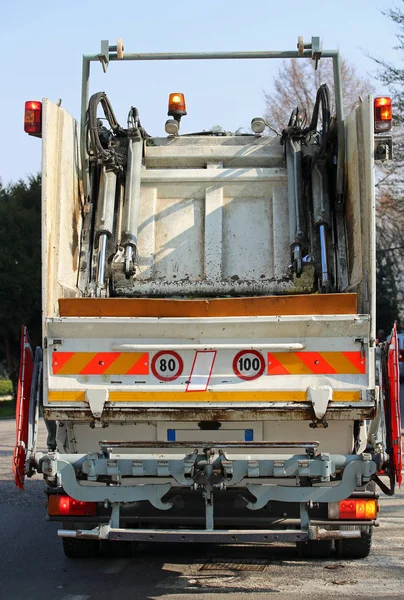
[(112, 57), (215, 536), (164, 471), (106, 445)]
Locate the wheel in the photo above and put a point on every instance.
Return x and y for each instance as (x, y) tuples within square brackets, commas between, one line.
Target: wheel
[(300, 45), (354, 547), (114, 549), (314, 549), (119, 48), (76, 548)]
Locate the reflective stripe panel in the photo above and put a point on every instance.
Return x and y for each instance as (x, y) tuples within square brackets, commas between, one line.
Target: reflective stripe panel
[(162, 397), (318, 363), (100, 363)]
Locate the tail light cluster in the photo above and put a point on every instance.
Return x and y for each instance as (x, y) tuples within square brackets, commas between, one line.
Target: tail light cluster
[(33, 118), (66, 506), (383, 114), (353, 508)]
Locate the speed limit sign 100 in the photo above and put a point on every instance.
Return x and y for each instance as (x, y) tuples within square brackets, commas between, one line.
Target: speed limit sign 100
[(249, 364), (167, 365)]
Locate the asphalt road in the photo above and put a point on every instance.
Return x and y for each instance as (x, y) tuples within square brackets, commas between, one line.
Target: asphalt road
[(33, 567)]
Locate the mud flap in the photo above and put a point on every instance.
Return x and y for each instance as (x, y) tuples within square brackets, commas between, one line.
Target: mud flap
[(28, 394), (391, 393)]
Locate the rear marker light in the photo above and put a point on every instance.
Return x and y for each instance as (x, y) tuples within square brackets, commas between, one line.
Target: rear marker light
[(67, 506), (353, 508), (33, 118), (383, 114)]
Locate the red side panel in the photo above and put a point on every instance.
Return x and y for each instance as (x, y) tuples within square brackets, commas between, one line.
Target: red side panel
[(394, 398), (22, 408)]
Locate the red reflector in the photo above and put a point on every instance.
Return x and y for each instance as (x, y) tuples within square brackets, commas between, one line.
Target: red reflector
[(383, 114), (66, 506), (33, 117)]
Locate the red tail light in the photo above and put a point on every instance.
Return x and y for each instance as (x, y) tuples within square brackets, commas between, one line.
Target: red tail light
[(401, 356), (383, 114), (66, 506), (33, 117), (353, 508)]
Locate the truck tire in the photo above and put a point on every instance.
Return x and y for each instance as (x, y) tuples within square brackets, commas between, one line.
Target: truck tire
[(355, 547), (76, 548), (314, 549)]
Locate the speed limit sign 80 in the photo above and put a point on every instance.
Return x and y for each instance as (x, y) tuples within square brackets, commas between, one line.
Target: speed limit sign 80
[(248, 364), (167, 365)]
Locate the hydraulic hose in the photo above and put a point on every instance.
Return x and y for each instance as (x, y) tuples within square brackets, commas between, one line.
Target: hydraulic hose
[(323, 98), (101, 153)]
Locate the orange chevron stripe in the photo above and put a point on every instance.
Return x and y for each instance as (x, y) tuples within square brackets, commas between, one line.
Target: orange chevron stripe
[(318, 363), (275, 367), (59, 359), (100, 363)]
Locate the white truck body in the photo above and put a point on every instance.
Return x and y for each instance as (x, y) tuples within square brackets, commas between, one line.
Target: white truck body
[(213, 366)]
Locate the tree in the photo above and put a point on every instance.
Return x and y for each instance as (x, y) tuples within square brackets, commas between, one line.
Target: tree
[(392, 75), (390, 186), (20, 290), (297, 82)]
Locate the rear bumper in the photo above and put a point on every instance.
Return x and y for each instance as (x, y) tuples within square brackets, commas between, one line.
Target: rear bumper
[(215, 536), (296, 411)]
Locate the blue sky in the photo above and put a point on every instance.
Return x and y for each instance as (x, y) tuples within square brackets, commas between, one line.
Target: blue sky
[(42, 44)]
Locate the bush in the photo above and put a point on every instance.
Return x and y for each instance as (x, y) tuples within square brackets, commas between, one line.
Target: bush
[(6, 387)]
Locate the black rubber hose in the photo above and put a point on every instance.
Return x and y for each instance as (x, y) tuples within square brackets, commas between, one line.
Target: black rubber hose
[(92, 123), (323, 98)]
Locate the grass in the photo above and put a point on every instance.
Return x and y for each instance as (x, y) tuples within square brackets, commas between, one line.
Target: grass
[(7, 405), (7, 408)]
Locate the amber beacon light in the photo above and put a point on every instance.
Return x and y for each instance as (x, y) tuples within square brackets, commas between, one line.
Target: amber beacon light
[(383, 114), (33, 118), (176, 105)]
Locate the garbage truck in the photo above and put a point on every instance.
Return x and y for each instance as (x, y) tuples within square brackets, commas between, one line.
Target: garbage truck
[(208, 371)]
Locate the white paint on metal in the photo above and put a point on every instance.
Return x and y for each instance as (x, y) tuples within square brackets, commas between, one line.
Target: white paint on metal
[(360, 206), (159, 176), (96, 398), (231, 151), (201, 371), (213, 232), (219, 223), (146, 233), (317, 334), (61, 206), (208, 345), (320, 396)]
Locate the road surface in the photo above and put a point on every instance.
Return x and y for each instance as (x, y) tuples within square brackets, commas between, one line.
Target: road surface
[(33, 567)]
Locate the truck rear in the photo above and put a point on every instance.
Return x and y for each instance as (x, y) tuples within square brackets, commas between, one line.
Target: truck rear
[(209, 369)]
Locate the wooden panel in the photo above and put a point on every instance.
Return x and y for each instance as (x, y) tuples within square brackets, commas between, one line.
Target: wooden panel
[(257, 306)]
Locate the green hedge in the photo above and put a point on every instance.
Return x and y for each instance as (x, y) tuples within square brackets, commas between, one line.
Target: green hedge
[(6, 387)]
